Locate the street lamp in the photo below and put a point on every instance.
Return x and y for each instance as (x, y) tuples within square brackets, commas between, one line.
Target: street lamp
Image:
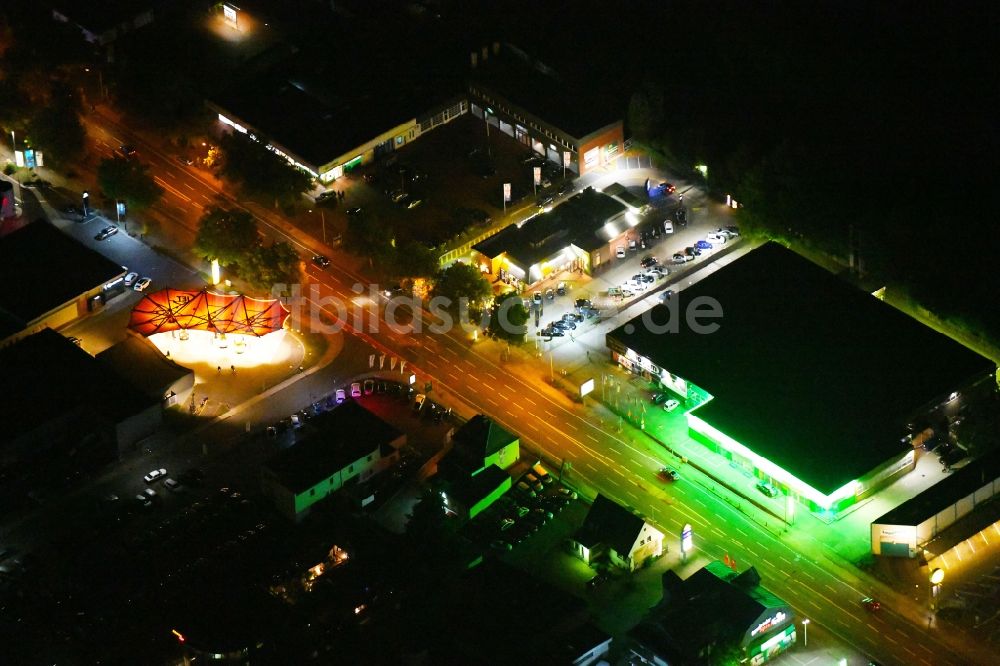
[(937, 576), (805, 633), (86, 200)]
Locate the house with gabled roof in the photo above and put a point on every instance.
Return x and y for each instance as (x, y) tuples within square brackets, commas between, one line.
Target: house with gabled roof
[(613, 533), (482, 442)]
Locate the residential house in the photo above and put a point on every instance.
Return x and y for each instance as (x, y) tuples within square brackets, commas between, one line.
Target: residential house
[(614, 533)]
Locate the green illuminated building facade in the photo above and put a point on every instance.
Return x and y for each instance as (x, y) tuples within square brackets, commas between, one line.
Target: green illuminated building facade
[(805, 381)]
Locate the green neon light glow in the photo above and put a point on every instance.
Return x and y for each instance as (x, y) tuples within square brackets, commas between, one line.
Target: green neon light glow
[(763, 464)]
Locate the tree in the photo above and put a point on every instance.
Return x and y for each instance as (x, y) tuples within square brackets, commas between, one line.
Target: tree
[(426, 521), (279, 263), (126, 179), (260, 171), (462, 281), (508, 318), (413, 260), (227, 235), (645, 112)]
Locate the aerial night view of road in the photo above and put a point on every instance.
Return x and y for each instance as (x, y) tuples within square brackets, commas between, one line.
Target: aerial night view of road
[(399, 332)]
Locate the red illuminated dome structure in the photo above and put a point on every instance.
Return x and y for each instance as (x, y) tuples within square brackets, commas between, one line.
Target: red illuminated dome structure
[(198, 327)]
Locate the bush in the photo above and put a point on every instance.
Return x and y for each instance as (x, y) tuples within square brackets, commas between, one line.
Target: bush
[(9, 169)]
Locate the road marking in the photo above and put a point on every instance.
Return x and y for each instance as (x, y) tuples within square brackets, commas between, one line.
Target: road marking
[(491, 376), (532, 402), (189, 187), (592, 437), (492, 401), (888, 637), (159, 181), (618, 472)]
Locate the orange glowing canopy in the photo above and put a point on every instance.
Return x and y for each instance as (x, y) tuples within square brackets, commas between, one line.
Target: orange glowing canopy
[(171, 309)]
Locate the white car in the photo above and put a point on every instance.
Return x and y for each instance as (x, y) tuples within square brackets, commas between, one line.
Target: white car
[(341, 396), (142, 284), (155, 475), (131, 278), (681, 258), (716, 239), (668, 227), (671, 405), (356, 390), (620, 251)]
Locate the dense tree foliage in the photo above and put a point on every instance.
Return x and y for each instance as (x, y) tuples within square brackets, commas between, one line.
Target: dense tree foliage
[(259, 171), (508, 318), (227, 235), (266, 266), (462, 281), (128, 180), (55, 128)]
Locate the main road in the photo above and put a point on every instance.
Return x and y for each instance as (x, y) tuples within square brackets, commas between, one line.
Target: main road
[(602, 458)]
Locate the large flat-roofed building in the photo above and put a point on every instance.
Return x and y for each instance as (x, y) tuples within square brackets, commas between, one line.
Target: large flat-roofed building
[(579, 234), (103, 22), (85, 280), (566, 120), (328, 119), (344, 446), (63, 414), (807, 381)]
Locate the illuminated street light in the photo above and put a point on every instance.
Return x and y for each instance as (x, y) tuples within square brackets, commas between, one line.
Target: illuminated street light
[(805, 633)]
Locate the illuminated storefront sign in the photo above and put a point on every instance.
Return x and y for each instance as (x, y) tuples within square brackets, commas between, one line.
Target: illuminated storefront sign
[(778, 618)]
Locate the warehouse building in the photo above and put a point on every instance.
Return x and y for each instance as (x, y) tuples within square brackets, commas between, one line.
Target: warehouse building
[(905, 530), (807, 382)]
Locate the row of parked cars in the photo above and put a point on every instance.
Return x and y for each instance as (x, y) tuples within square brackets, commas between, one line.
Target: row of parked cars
[(533, 502)]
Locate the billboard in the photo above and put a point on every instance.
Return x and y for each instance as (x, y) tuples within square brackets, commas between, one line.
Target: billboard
[(586, 387)]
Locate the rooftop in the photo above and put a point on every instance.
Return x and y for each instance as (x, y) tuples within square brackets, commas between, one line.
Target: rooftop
[(568, 103), (796, 350), (80, 270), (943, 494), (322, 110), (473, 489), (481, 437), (138, 359), (582, 220), (98, 17), (610, 524), (51, 377), (713, 604), (336, 439)]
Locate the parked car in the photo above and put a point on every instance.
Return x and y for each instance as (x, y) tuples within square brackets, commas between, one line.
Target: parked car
[(536, 298), (131, 278), (667, 188), (671, 405), (327, 196), (127, 150), (665, 296), (106, 232), (506, 524), (620, 251), (692, 251), (583, 303), (525, 489), (632, 245), (668, 227), (341, 396), (717, 239), (155, 475), (550, 295), (172, 484), (321, 261), (561, 289), (356, 390), (647, 261), (542, 473), (572, 316), (369, 386), (767, 489), (597, 581), (141, 284), (703, 245), (566, 492), (566, 187), (354, 211), (871, 605), (534, 482), (550, 332), (149, 492), (733, 231), (418, 403), (659, 398), (681, 258), (414, 203)]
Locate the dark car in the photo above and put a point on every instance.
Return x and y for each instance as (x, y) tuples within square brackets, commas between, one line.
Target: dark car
[(597, 581), (551, 332), (767, 489), (546, 200), (660, 398), (648, 261), (692, 251), (321, 261), (668, 474), (871, 605), (583, 303), (566, 187), (354, 211), (572, 316), (127, 150), (667, 188), (565, 324)]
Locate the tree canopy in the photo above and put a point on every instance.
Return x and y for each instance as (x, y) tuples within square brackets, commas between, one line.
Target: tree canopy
[(508, 318), (462, 281), (227, 235), (259, 171), (55, 128), (278, 263), (128, 180)]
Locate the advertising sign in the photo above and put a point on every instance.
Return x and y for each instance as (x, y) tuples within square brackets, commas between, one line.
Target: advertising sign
[(506, 191), (586, 387), (687, 542), (538, 175), (566, 158)]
